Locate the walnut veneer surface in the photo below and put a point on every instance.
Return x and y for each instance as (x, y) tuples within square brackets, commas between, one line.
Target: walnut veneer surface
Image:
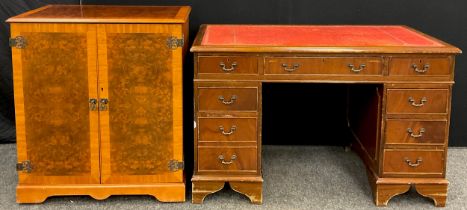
[(98, 100), (399, 119)]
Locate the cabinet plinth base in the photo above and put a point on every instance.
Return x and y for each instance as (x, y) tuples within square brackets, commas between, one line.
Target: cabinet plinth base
[(252, 188), (386, 188), (164, 192)]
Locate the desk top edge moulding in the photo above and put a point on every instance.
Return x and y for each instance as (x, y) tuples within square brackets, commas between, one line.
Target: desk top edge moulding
[(318, 39), (399, 84), (98, 101)]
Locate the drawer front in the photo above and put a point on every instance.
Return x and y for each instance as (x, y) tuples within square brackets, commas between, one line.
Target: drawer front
[(415, 132), (227, 129), (227, 65), (320, 65), (417, 101), (413, 162), (420, 66), (231, 159), (228, 99)]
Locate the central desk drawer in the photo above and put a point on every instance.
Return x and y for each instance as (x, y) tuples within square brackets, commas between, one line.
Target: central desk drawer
[(417, 101), (227, 65), (234, 159), (324, 65), (413, 162), (227, 99), (227, 129), (416, 132)]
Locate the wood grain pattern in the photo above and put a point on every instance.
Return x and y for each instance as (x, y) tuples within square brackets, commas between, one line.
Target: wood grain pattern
[(141, 131), (324, 65), (253, 190), (399, 101), (364, 107), (424, 132), (241, 65), (201, 189), (384, 193), (431, 163), (437, 192), (232, 159), (137, 104), (226, 98), (379, 109), (69, 142), (104, 14), (228, 129), (386, 188), (403, 66), (47, 98), (164, 192)]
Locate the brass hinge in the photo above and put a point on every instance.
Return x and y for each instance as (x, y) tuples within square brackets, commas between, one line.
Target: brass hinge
[(24, 166), (18, 42), (173, 43), (175, 165)]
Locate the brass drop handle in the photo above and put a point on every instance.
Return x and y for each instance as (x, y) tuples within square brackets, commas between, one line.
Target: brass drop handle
[(413, 103), (423, 70), (232, 66), (411, 164), (231, 101), (232, 130), (232, 159), (420, 132), (360, 68), (92, 104), (103, 104), (292, 68)]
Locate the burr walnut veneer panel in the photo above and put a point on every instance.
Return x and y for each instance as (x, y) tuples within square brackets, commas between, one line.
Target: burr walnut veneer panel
[(99, 104)]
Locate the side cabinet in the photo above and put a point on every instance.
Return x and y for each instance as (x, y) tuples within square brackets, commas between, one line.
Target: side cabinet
[(99, 105)]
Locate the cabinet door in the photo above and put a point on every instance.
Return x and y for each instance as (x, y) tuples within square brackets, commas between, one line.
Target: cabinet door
[(141, 125), (54, 77)]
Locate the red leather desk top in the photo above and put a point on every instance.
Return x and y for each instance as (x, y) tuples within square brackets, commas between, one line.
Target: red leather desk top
[(336, 35)]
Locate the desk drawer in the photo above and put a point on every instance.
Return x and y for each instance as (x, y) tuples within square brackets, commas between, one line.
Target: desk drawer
[(417, 101), (416, 132), (420, 66), (227, 129), (233, 159), (228, 99), (227, 65), (324, 65), (414, 162)]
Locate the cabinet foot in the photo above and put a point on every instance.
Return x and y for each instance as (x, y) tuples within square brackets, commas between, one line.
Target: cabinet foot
[(200, 189), (253, 190), (384, 192), (386, 188), (164, 192), (250, 187), (437, 192)]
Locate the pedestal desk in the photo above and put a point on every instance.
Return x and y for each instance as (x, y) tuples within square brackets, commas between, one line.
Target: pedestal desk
[(399, 120)]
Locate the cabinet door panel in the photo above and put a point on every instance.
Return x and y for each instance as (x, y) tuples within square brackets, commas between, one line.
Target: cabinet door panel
[(141, 127), (54, 78)]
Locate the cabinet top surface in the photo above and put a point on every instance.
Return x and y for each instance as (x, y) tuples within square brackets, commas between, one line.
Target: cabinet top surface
[(319, 38), (104, 14)]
